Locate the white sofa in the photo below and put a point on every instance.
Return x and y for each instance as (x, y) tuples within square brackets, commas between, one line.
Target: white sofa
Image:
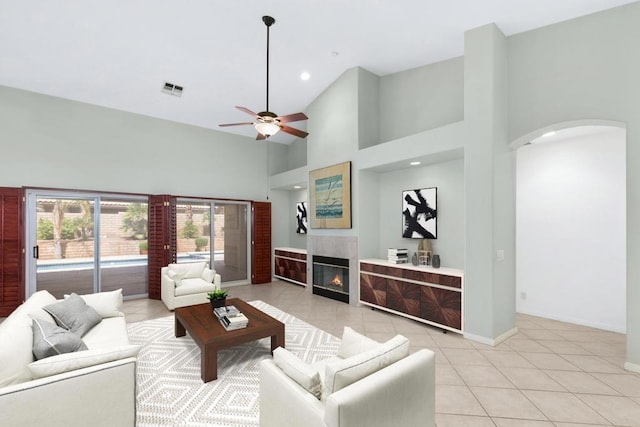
[(187, 284), (95, 387), (370, 387)]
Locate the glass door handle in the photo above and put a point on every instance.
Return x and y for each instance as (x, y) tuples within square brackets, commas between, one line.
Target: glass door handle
[(36, 251)]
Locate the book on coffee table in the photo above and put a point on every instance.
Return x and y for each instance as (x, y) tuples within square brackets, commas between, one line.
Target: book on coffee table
[(227, 311), (238, 321)]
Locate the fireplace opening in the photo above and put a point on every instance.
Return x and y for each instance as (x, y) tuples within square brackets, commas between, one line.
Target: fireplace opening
[(331, 277)]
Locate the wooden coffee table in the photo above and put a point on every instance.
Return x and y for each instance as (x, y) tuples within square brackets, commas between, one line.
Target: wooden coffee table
[(205, 329)]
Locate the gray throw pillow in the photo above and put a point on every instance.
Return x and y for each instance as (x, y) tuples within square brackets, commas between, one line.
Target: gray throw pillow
[(51, 340), (73, 314)]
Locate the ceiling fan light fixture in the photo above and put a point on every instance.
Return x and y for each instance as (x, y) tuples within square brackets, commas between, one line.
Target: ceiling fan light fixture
[(267, 128)]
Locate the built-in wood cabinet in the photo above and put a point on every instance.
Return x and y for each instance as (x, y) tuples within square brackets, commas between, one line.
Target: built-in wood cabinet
[(291, 264), (423, 293)]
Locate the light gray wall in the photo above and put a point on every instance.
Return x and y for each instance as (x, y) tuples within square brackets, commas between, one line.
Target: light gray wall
[(297, 154), (448, 177), (368, 108), (489, 189), (280, 219), (51, 142), (422, 98), (333, 127), (586, 68), (278, 157)]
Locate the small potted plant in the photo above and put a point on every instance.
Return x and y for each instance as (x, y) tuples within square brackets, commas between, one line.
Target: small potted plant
[(144, 247), (217, 298)]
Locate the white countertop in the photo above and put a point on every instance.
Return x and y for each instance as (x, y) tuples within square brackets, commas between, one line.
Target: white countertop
[(408, 266), (296, 250)]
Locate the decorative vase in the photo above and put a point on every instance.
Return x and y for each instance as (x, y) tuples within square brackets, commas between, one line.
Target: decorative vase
[(215, 303), (414, 259), (435, 261)]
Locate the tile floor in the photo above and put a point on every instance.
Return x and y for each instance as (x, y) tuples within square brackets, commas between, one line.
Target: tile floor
[(549, 374)]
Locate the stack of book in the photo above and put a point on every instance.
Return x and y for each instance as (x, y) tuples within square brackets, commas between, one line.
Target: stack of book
[(398, 256), (231, 318)]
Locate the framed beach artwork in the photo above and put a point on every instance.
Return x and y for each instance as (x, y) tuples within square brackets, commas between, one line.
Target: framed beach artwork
[(330, 196), (301, 217), (419, 213)]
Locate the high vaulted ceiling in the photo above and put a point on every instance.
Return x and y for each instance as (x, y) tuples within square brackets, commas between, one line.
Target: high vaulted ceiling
[(119, 53)]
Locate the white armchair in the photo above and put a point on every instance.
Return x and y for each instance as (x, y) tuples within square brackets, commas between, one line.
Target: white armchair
[(401, 393), (187, 284)]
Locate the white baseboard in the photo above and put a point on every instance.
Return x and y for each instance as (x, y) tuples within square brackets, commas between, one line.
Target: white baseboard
[(633, 367), (492, 341)]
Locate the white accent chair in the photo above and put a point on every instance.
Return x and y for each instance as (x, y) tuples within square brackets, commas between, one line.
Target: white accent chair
[(187, 284), (389, 392)]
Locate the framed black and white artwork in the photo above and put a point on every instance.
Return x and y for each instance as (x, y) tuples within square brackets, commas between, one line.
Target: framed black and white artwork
[(301, 217), (419, 213)]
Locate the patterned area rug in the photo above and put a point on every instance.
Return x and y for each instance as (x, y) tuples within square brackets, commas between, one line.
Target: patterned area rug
[(171, 392)]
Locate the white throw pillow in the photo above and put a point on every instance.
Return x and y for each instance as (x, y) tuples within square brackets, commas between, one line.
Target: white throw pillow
[(189, 270), (355, 343), (208, 275), (296, 369), (341, 374), (107, 304), (71, 361)]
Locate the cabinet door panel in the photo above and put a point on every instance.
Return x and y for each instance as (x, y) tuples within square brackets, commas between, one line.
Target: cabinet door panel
[(291, 269), (441, 306), (373, 289), (403, 297)]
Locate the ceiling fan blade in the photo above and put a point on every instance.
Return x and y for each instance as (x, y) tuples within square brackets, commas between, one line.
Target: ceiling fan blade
[(246, 110), (260, 136), (236, 124), (293, 118), (293, 131)]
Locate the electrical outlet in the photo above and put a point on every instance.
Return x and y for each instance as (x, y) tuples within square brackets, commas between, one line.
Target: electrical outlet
[(500, 255), (523, 295)]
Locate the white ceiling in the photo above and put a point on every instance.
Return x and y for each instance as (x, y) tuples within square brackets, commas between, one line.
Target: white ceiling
[(119, 53)]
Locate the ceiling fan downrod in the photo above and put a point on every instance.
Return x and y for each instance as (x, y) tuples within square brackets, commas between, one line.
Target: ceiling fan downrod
[(268, 21)]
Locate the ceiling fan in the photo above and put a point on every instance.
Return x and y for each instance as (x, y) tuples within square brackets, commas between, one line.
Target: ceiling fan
[(267, 123)]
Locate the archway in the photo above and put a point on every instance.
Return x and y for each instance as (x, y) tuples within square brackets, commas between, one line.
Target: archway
[(571, 224)]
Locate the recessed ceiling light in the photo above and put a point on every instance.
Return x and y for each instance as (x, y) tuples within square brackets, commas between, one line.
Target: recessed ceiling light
[(416, 163), (548, 134), (297, 187), (305, 76)]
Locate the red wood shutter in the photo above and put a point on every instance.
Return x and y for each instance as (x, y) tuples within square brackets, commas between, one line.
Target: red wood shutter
[(260, 242), (11, 250), (162, 239)]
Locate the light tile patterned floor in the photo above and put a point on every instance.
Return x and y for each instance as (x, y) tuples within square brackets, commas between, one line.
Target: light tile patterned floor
[(549, 374)]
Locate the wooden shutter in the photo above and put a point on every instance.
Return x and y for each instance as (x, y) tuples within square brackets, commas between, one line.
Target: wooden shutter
[(162, 239), (11, 250), (260, 242)]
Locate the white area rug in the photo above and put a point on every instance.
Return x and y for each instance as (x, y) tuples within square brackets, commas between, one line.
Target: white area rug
[(171, 392)]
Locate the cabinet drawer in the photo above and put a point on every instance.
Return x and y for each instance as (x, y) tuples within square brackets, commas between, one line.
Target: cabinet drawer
[(294, 255), (418, 276)]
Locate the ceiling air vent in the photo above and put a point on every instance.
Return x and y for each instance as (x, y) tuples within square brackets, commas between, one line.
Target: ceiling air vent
[(172, 89)]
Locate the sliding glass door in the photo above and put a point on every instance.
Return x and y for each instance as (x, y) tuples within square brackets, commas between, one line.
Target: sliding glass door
[(86, 243), (64, 248), (218, 231)]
